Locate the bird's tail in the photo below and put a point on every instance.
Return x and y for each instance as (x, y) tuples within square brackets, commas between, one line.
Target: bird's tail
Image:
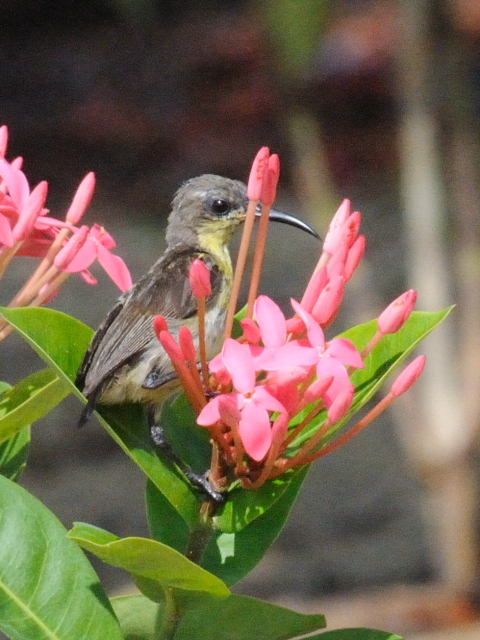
[(89, 408)]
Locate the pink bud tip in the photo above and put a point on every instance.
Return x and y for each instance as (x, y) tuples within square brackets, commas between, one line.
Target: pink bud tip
[(200, 279), (70, 249), (333, 235), (341, 405), (187, 346), (255, 181), (81, 199), (270, 181), (355, 255), (314, 289), (397, 312), (171, 347), (3, 140), (317, 389), (328, 302), (160, 324), (295, 325), (251, 331), (31, 211), (409, 376)]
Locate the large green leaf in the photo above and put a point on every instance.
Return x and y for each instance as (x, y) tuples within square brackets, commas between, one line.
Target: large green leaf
[(30, 400), (230, 556), (48, 589), (59, 339), (149, 559), (205, 616), (61, 342)]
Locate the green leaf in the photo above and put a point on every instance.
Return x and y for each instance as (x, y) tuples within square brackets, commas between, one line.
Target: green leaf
[(356, 634), (207, 616), (48, 589), (240, 617), (140, 618), (165, 523), (61, 342), (149, 559), (30, 400), (245, 506), (14, 454), (59, 339), (231, 556)]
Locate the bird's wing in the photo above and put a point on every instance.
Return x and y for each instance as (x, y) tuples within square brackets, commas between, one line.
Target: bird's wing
[(165, 290)]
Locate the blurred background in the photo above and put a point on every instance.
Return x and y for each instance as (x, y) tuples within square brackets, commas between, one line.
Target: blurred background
[(374, 100)]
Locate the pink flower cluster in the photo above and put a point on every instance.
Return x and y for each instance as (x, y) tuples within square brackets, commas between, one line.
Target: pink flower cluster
[(266, 388), (26, 229)]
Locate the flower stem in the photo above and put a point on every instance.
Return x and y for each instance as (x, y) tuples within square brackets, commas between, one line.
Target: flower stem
[(240, 266), (258, 259)]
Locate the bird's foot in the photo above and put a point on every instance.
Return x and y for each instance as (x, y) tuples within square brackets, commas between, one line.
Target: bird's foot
[(200, 481)]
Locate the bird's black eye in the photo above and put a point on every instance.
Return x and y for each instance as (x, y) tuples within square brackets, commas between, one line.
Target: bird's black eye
[(220, 207)]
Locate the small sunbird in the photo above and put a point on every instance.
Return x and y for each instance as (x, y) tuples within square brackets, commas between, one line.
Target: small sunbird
[(125, 361)]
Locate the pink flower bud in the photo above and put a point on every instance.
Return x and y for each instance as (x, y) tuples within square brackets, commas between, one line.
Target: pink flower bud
[(3, 140), (255, 181), (333, 237), (336, 264), (355, 255), (409, 376), (295, 325), (81, 199), (200, 279), (251, 331), (31, 211), (70, 249), (171, 347), (397, 312), (350, 228), (160, 324), (6, 236), (329, 300), (341, 405), (270, 181), (187, 346), (316, 390), (314, 288)]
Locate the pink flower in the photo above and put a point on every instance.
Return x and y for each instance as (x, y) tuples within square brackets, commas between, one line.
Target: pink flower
[(98, 245), (249, 408), (332, 358), (278, 353)]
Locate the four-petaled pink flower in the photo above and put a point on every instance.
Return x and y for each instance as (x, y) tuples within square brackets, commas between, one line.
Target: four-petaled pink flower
[(249, 408)]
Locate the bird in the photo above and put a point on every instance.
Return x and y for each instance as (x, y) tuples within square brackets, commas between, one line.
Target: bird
[(125, 361)]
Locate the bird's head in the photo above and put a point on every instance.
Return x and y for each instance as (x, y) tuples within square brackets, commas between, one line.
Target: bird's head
[(207, 210)]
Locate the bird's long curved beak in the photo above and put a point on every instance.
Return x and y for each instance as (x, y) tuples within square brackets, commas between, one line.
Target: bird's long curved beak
[(287, 218)]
